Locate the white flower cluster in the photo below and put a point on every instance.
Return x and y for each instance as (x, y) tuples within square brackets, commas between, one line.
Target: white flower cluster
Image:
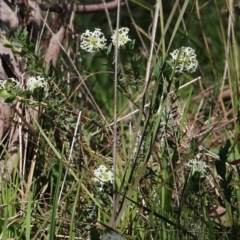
[(8, 88), (112, 236), (12, 81), (197, 165), (95, 41), (184, 60), (122, 34), (36, 82), (3, 84), (102, 175)]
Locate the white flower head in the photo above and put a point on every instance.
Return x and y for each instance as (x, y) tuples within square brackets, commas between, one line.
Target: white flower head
[(112, 236), (93, 41), (102, 175), (8, 88), (16, 83), (197, 165), (36, 82), (3, 84), (122, 36), (184, 60)]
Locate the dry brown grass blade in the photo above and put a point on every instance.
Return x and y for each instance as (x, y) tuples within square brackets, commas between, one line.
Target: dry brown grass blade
[(6, 115)]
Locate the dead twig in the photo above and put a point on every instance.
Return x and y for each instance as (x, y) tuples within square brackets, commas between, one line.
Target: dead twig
[(84, 8)]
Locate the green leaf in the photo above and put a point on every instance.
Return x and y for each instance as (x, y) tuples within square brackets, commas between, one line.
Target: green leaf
[(17, 44), (7, 45), (156, 70), (25, 32), (109, 48), (221, 165), (10, 99), (4, 94)]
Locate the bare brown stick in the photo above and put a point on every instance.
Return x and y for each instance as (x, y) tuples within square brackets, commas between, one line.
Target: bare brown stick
[(28, 125), (215, 129), (86, 8), (225, 95)]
